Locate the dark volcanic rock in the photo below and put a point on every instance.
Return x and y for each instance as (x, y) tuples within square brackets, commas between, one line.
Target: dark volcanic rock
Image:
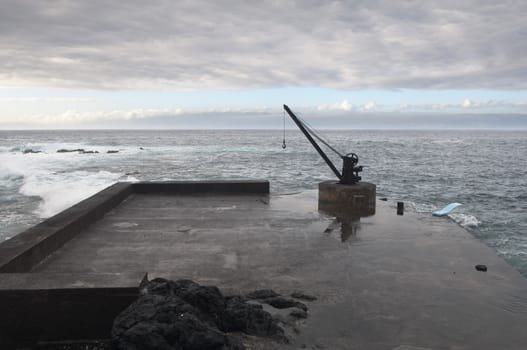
[(63, 150), (284, 303), (78, 150), (240, 316), (164, 322), (302, 296), (297, 313), (262, 294), (269, 296), (185, 315), (481, 267), (29, 150), (207, 300)]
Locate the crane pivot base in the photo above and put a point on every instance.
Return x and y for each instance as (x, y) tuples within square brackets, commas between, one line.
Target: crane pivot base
[(357, 199)]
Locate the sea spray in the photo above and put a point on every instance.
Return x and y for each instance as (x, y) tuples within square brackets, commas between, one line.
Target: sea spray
[(58, 191)]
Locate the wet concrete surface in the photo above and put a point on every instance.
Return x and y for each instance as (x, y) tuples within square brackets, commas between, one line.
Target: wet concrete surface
[(381, 282)]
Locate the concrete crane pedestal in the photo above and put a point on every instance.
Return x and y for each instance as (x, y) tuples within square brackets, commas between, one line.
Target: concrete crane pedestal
[(355, 200)]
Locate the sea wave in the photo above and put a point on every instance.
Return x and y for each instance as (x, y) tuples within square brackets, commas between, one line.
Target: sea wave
[(59, 191), (422, 207), (48, 177), (465, 220)]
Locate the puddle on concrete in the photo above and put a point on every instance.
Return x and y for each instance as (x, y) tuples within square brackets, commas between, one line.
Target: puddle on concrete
[(125, 224), (230, 261)]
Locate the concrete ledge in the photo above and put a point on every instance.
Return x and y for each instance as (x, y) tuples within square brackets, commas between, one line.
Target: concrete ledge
[(29, 282), (49, 306), (189, 187)]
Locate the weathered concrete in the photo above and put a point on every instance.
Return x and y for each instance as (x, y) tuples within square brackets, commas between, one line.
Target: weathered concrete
[(41, 306), (381, 282), (23, 251), (356, 200), (192, 187)]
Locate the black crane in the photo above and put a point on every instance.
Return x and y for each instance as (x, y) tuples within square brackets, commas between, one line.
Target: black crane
[(350, 170)]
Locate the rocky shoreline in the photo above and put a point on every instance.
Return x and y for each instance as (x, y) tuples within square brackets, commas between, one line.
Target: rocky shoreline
[(184, 315), (75, 150)]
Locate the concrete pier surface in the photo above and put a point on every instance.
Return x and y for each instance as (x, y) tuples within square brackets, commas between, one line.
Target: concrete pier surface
[(381, 282)]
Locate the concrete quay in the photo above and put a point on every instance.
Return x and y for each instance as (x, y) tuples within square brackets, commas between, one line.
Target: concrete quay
[(382, 282)]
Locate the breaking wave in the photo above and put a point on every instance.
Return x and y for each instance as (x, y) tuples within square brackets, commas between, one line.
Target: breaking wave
[(60, 191), (47, 176), (465, 220)]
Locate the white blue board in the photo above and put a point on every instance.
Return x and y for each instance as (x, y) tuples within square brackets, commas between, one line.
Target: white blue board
[(446, 210)]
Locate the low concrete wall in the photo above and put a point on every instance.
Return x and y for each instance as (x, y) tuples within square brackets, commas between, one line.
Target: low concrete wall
[(189, 187), (40, 306)]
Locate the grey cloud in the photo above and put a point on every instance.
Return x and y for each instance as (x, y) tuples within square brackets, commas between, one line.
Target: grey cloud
[(238, 44)]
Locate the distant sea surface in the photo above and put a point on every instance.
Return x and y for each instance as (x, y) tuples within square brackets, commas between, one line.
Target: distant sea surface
[(486, 171)]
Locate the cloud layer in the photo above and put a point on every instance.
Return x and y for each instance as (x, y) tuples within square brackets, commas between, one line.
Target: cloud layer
[(467, 114), (189, 45)]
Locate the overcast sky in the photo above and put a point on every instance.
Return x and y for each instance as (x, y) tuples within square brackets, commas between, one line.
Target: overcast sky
[(78, 64)]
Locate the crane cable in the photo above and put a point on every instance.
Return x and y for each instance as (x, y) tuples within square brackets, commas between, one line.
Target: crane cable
[(318, 137), (315, 134), (283, 142)]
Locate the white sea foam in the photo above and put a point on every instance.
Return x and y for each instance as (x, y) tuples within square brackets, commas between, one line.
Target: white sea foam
[(447, 141), (11, 175), (465, 220), (47, 176), (422, 207), (59, 191)]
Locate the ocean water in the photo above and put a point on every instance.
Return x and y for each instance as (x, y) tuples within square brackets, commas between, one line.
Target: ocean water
[(484, 170)]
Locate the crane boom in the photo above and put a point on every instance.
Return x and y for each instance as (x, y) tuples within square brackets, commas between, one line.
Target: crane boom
[(349, 175)]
